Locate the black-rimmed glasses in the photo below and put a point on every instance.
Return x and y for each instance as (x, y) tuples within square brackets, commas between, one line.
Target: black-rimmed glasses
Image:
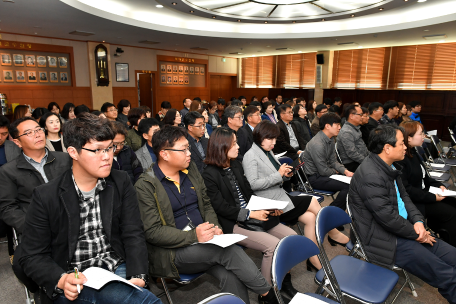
[(177, 150), (112, 149)]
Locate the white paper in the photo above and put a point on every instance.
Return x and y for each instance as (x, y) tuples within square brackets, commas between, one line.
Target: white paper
[(301, 298), (439, 191), (226, 240), (261, 203), (433, 132), (435, 174), (341, 178), (280, 155), (99, 277), (438, 165)]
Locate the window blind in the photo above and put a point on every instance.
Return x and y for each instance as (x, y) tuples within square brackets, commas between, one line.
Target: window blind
[(297, 70), (258, 72)]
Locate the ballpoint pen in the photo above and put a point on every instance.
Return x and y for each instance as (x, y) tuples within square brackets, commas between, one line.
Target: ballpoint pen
[(76, 274)]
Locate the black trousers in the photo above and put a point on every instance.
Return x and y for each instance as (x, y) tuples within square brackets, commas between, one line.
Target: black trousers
[(442, 215), (20, 274), (329, 184), (7, 231), (436, 265), (352, 166)]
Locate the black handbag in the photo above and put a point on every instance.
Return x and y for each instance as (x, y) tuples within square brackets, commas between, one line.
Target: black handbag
[(261, 226)]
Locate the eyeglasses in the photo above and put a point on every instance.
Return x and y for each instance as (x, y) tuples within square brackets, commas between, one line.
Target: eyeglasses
[(119, 143), (113, 110), (183, 150), (257, 114), (289, 113), (200, 126), (358, 114), (239, 117), (32, 133), (110, 149)]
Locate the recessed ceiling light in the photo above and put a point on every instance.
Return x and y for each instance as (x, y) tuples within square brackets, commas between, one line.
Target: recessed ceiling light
[(405, 0), (352, 15), (422, 0), (103, 40), (213, 17), (294, 21), (438, 36), (191, 12), (360, 47), (381, 9), (239, 20), (265, 22), (253, 55), (323, 19), (159, 5), (299, 51), (442, 40), (174, 3)]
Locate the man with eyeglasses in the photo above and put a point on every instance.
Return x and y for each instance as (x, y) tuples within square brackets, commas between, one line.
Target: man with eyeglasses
[(110, 111), (124, 157), (233, 119), (252, 118), (350, 145), (194, 122), (88, 217), (289, 140), (320, 110)]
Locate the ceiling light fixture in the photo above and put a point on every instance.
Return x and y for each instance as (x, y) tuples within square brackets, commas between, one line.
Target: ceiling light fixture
[(405, 0), (360, 47), (103, 40), (299, 51), (239, 20), (381, 9), (253, 55), (438, 36), (159, 5), (352, 15), (191, 12), (443, 40), (265, 22), (294, 21), (174, 3), (422, 0), (323, 19), (213, 17)]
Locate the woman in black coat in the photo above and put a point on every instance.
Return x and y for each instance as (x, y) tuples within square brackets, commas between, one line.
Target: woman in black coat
[(440, 211), (230, 192), (302, 122)]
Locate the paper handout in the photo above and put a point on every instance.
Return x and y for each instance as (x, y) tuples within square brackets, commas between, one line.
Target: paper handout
[(261, 203), (301, 298), (433, 132), (280, 154), (341, 178), (435, 174), (99, 277), (225, 240), (439, 191), (437, 165)]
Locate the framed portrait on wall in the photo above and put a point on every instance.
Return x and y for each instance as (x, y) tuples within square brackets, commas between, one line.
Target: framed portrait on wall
[(163, 79), (8, 76), (201, 71), (175, 79), (163, 68), (64, 77), (174, 69), (20, 76), (181, 79), (52, 61), (6, 59), (63, 62), (186, 69), (169, 68), (169, 79), (31, 76), (41, 61), (53, 77), (192, 70), (186, 80), (18, 59), (197, 70), (181, 69), (43, 76), (122, 72), (30, 60)]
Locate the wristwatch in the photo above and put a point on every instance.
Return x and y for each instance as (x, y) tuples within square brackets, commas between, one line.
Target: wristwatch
[(144, 277)]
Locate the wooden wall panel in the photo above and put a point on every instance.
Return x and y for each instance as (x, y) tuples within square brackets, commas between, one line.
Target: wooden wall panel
[(129, 93)]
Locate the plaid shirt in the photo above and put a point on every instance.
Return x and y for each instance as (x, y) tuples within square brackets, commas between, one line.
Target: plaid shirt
[(93, 248)]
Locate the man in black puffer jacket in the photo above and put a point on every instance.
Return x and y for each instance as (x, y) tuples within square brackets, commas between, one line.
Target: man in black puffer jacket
[(390, 226)]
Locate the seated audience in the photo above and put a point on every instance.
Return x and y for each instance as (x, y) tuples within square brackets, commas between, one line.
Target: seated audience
[(337, 102), (266, 177), (52, 126), (311, 106), (401, 113), (236, 102), (391, 109), (81, 109), (177, 213), (165, 106), (334, 109), (301, 101), (124, 107), (252, 118), (67, 227), (233, 119), (440, 211), (268, 112), (54, 108), (320, 110), (208, 130), (214, 119), (67, 112), (366, 105), (301, 122), (415, 106), (364, 130), (321, 162), (38, 113), (278, 100), (110, 111), (124, 157), (194, 122), (389, 225), (289, 140), (195, 105), (230, 192), (134, 139), (21, 111), (8, 149), (350, 145), (406, 117), (147, 110), (187, 102), (254, 98), (375, 114), (328, 102), (147, 128), (220, 108), (172, 118), (99, 114)]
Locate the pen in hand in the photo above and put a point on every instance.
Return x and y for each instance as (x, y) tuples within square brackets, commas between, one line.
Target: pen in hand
[(76, 274)]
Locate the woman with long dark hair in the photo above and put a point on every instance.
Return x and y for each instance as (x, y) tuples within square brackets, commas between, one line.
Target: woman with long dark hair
[(172, 118), (21, 111), (67, 112), (311, 105), (134, 138), (53, 127), (302, 122)]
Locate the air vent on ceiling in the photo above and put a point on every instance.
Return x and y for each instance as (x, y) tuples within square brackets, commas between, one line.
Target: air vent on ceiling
[(319, 74), (284, 49), (236, 53), (439, 36), (149, 42), (197, 48), (81, 33), (347, 43)]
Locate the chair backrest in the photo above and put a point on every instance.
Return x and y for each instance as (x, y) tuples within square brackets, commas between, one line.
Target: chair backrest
[(222, 298), (355, 233), (285, 160), (337, 153), (328, 218)]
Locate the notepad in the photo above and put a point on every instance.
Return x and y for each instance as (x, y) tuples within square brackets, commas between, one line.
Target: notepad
[(226, 240), (341, 178), (433, 132), (301, 298), (99, 277), (280, 154), (438, 165), (261, 203), (435, 174), (439, 191)]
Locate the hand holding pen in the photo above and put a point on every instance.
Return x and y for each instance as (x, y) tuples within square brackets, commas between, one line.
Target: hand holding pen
[(69, 284)]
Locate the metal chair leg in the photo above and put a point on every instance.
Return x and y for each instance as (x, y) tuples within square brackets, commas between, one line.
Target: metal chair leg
[(299, 228), (28, 300), (168, 295), (412, 287)]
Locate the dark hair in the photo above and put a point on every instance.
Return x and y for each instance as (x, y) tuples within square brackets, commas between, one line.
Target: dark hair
[(242, 97), (400, 105), (249, 110), (123, 104), (255, 103), (13, 131), (197, 98), (382, 135), (277, 96), (166, 137), (191, 117), (262, 98), (282, 108), (365, 110), (296, 109), (195, 105), (134, 115), (146, 109), (328, 119), (410, 129), (106, 106), (265, 105), (96, 112), (145, 125), (221, 101), (45, 117), (119, 128), (320, 107), (337, 99), (390, 104), (201, 111), (309, 107), (252, 99), (374, 106), (266, 129), (183, 101), (84, 128), (212, 104), (4, 121), (220, 142), (414, 103), (230, 111), (52, 104), (20, 111), (81, 109), (165, 105), (66, 110), (334, 109), (328, 101), (38, 112), (351, 109), (237, 102), (170, 116), (366, 105)]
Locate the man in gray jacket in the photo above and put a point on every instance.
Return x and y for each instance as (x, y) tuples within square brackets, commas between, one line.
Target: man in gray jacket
[(350, 145), (147, 128)]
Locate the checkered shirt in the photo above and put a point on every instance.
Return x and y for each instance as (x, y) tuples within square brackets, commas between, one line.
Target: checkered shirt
[(93, 248)]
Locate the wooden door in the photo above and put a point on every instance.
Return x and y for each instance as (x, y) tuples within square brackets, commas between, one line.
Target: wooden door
[(221, 87), (145, 90)]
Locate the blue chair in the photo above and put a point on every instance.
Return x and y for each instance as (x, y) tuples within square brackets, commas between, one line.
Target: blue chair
[(346, 276), (184, 279), (222, 298), (291, 251)]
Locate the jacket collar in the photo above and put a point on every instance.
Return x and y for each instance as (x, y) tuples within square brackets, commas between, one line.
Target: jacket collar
[(22, 163), (356, 128), (393, 174), (264, 157)]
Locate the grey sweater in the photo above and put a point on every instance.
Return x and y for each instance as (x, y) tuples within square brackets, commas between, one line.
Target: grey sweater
[(350, 144)]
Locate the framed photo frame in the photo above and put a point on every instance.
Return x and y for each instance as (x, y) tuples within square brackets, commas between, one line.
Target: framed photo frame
[(8, 76), (64, 77), (163, 68), (186, 69), (31, 76), (20, 76), (197, 70), (169, 79), (122, 72), (43, 76), (192, 70), (174, 69), (175, 80), (52, 61), (169, 69), (181, 79), (63, 62), (18, 59), (181, 69), (186, 80), (201, 71), (30, 60), (53, 77), (41, 61), (163, 78), (6, 59)]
